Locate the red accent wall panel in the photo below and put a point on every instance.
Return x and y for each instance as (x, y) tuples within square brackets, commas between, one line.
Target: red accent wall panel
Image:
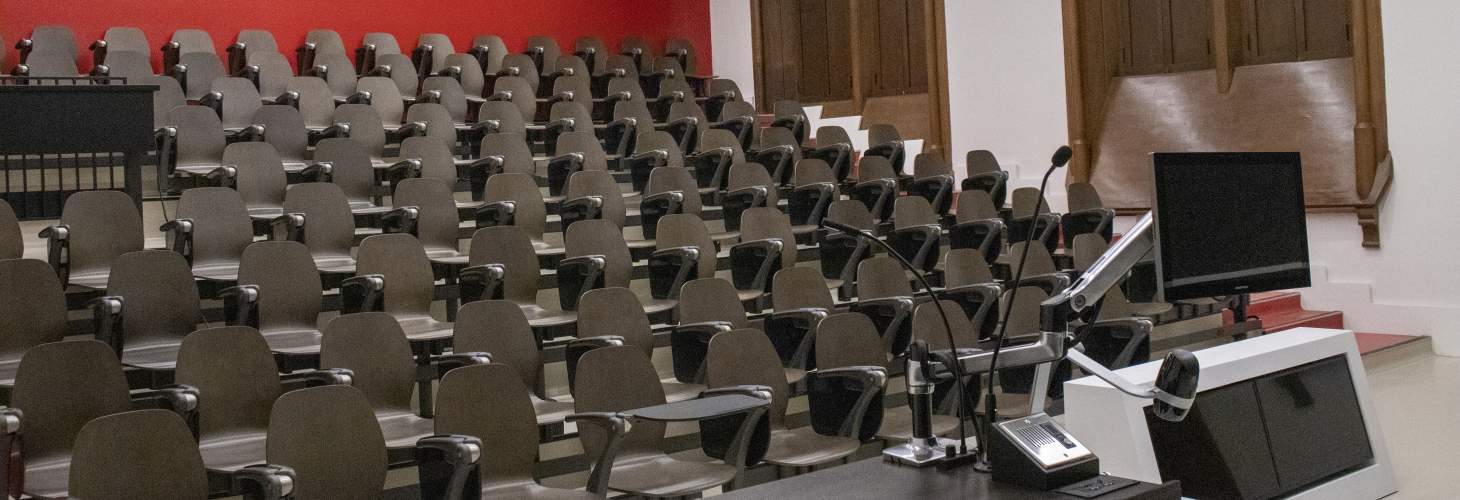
[(513, 20)]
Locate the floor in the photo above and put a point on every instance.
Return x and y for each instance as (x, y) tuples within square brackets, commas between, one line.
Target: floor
[(1417, 400)]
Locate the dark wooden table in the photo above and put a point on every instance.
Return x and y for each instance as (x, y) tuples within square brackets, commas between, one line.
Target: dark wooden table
[(873, 478)]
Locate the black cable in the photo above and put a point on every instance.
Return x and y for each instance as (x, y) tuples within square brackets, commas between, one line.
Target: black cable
[(957, 367), (989, 401)]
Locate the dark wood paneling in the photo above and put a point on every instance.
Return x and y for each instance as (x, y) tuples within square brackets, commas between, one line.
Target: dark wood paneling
[(839, 49), (1191, 28), (1325, 29), (813, 56), (917, 46), (807, 54), (892, 46), (1146, 36), (1272, 34)]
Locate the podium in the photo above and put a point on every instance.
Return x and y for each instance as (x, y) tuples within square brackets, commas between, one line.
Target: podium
[(56, 140)]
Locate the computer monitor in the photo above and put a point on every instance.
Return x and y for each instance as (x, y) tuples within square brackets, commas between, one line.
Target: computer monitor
[(1229, 223)]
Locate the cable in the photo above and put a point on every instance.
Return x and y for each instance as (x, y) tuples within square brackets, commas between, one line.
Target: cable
[(956, 367)]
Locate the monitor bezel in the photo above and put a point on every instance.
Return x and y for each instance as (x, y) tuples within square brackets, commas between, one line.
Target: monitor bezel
[(1161, 161)]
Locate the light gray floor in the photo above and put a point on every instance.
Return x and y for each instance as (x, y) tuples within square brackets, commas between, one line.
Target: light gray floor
[(1418, 400)]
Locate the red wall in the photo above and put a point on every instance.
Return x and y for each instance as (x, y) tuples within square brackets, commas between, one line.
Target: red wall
[(513, 20)]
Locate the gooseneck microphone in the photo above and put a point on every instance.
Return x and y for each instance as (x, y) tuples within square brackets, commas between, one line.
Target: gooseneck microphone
[(1060, 158), (956, 367)]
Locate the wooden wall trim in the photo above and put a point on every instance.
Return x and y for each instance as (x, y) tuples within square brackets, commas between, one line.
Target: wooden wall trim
[(757, 50), (1075, 94), (1373, 164), (939, 139), (1222, 46), (854, 35)]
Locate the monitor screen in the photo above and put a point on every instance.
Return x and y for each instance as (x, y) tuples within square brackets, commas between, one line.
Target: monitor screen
[(1229, 223)]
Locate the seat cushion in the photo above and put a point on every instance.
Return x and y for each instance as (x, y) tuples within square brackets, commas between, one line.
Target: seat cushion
[(233, 451), (295, 341), (421, 327), (803, 447), (49, 478), (659, 475), (540, 317), (402, 428), (526, 489), (157, 356)]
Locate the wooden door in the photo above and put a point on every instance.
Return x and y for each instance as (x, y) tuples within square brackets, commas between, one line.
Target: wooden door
[(1164, 36), (805, 54), (1272, 34), (1325, 29), (894, 46), (1191, 39), (1146, 36)]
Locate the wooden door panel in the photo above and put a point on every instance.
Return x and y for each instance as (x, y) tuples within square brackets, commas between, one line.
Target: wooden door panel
[(1146, 38), (1325, 29), (813, 55), (1191, 27), (839, 49), (1272, 34), (892, 45)]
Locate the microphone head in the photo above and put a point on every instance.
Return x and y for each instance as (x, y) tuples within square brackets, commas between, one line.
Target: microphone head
[(1178, 377), (1061, 156)]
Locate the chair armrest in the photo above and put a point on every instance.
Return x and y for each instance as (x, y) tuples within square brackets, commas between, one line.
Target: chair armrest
[(671, 268), (484, 127), (224, 176), (736, 202), (918, 244), (840, 255), (11, 421), (482, 282), (793, 334), (892, 150), (584, 208), (776, 160), (867, 381), (287, 227), (315, 378), (889, 314), (58, 250), (808, 203), (560, 126), (400, 220), (264, 482), (559, 168), (361, 97), (753, 263), (362, 293), (1046, 225), (740, 437), (755, 391), (684, 130), (711, 167), (617, 427), (318, 172), (689, 344), (619, 134), (642, 163), (576, 348), (251, 133), (106, 315), (564, 96), (937, 189), (878, 195), (178, 398), (214, 101), (978, 302), (407, 130), (578, 275), (166, 138), (240, 305), (436, 365), (505, 95), (1095, 220), (993, 183), (656, 206), (795, 123), (837, 155), (986, 236), (496, 213), (448, 466), (742, 126), (333, 131), (290, 98)]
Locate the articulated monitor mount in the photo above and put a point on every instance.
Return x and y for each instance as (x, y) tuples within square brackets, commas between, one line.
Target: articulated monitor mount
[(1077, 305)]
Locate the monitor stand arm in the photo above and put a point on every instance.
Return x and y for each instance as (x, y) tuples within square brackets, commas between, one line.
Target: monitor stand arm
[(1106, 273)]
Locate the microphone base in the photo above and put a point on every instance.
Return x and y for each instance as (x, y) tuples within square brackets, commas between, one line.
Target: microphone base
[(907, 454)]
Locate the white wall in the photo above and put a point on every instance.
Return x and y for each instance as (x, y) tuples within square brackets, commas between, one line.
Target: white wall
[(1006, 84), (730, 41), (1006, 93)]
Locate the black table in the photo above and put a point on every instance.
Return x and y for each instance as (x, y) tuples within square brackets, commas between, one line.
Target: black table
[(873, 478)]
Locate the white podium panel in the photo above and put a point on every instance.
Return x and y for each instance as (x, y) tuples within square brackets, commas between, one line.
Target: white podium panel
[(1113, 424)]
